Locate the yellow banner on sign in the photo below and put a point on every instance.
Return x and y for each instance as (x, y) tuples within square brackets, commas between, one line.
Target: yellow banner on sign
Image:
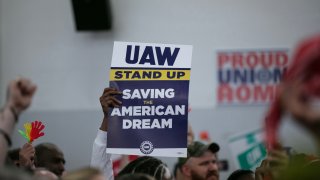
[(148, 74)]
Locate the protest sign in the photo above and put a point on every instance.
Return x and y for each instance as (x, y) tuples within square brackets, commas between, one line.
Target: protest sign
[(249, 77), (154, 81), (248, 149)]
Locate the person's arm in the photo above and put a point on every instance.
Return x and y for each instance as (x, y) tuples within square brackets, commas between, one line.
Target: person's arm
[(26, 156), (99, 157), (19, 96)]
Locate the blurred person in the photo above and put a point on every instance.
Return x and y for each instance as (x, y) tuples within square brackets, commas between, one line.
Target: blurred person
[(301, 166), (201, 163), (177, 171), (27, 156), (13, 157), (22, 157), (241, 174), (278, 167), (136, 176), (147, 165), (19, 97), (177, 167), (120, 161), (283, 165), (298, 95), (274, 164), (49, 156), (87, 173), (44, 174), (190, 136), (13, 173), (102, 160), (299, 92)]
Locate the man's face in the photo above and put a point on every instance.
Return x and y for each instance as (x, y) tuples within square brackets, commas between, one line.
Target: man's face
[(204, 167), (54, 161)]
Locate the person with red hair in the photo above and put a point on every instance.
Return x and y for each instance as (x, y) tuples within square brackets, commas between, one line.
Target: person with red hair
[(298, 92), (298, 95)]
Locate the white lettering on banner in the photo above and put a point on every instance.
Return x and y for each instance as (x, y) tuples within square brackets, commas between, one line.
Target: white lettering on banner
[(147, 93), (149, 110), (147, 124)]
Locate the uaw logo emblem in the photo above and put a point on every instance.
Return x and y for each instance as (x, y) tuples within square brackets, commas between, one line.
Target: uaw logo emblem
[(146, 147)]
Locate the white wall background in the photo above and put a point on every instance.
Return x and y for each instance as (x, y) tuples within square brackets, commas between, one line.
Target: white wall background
[(39, 41)]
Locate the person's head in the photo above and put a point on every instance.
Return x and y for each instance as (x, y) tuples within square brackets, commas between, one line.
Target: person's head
[(50, 157), (147, 165), (13, 156), (241, 174), (298, 93), (137, 176), (87, 173), (201, 163)]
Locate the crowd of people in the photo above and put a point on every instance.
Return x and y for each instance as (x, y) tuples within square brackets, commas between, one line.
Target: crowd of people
[(297, 92)]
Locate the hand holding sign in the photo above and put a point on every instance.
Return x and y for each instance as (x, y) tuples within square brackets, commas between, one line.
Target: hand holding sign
[(153, 113), (108, 100), (26, 156)]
